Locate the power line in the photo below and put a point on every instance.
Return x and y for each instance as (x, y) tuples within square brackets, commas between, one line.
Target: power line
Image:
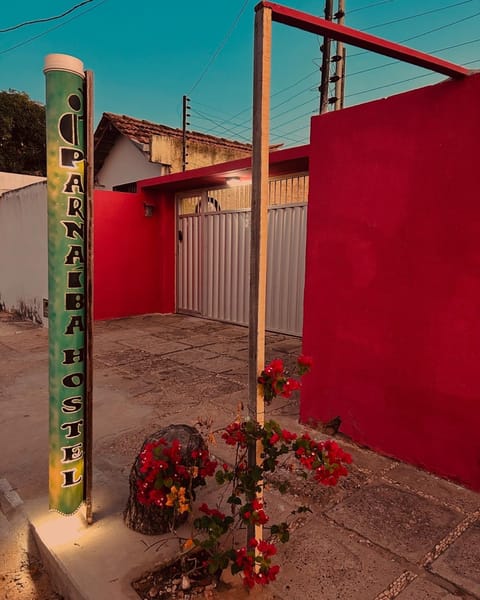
[(394, 62), (368, 6), (428, 12), (220, 47), (359, 53), (414, 37), (387, 85), (46, 19), (290, 98), (35, 37), (221, 126), (293, 131)]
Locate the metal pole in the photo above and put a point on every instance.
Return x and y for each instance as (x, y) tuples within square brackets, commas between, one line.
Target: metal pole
[(325, 76), (259, 216), (89, 297)]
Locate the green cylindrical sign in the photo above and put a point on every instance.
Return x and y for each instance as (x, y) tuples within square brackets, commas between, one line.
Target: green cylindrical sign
[(65, 118)]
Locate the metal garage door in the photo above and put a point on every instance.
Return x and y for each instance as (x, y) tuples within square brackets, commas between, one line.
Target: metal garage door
[(214, 253)]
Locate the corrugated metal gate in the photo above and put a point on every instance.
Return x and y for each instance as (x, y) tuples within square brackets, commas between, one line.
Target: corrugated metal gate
[(213, 256)]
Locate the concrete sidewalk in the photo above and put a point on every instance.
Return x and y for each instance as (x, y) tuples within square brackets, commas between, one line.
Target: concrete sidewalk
[(387, 531)]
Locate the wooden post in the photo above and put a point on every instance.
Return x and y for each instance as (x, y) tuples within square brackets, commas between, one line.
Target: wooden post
[(259, 216), (89, 298)]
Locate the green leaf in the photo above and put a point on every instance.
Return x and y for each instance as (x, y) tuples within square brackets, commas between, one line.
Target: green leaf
[(284, 536), (213, 566), (234, 500)]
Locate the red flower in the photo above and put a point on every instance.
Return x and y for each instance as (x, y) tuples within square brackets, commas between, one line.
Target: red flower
[(257, 504), (288, 436), (212, 512), (273, 439), (305, 361), (266, 549), (234, 435), (276, 366)]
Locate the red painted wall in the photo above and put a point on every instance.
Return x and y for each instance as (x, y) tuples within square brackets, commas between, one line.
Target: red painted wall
[(392, 298), (134, 256)]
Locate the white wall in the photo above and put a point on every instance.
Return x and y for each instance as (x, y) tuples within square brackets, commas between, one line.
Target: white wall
[(12, 181), (24, 250), (124, 164)]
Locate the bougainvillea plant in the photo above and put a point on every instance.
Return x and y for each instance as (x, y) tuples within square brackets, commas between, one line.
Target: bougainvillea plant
[(170, 484)]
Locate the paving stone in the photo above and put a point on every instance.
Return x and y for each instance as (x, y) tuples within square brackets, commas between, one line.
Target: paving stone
[(366, 459), (230, 332), (288, 345), (192, 356), (160, 369), (406, 524), (204, 339), (445, 491), (221, 364), (122, 357), (322, 561), (460, 563), (423, 589), (157, 345), (230, 348)]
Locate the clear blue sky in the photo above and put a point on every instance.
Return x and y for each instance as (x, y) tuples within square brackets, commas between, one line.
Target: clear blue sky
[(146, 55)]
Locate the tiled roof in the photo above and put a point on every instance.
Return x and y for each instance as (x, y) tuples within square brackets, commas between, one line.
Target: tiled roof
[(141, 131)]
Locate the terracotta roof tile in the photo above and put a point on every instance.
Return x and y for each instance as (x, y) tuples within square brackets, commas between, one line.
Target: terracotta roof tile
[(141, 131)]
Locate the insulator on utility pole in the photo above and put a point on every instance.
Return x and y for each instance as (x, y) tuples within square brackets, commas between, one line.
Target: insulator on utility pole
[(340, 64), (325, 68), (185, 122), (333, 66)]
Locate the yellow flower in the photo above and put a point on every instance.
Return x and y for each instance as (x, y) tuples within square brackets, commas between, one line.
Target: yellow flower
[(188, 544), (172, 496), (177, 498)]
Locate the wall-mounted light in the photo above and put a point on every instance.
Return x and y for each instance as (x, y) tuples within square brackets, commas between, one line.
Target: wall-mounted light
[(149, 209), (233, 181)]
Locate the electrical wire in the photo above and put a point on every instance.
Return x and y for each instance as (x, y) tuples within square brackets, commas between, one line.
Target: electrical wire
[(414, 37), (387, 85), (221, 46), (394, 62), (35, 37), (368, 6), (244, 125), (359, 53), (428, 12), (46, 19), (248, 140)]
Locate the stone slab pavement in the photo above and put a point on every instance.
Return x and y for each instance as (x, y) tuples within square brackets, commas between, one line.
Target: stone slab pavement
[(387, 531)]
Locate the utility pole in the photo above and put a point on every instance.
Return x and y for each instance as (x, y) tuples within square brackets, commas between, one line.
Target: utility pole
[(338, 60), (185, 122), (325, 68), (340, 64)]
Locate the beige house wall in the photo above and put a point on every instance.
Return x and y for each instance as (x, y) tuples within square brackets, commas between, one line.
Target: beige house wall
[(168, 151)]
